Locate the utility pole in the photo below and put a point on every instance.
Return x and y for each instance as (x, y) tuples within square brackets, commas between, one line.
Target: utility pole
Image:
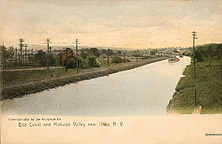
[(194, 61), (77, 42), (47, 42), (195, 97), (77, 61), (108, 57), (21, 45), (50, 55), (3, 56), (25, 45), (124, 57), (66, 59), (16, 54)]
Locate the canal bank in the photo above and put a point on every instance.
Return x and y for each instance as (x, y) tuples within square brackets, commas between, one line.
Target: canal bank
[(203, 90), (33, 86)]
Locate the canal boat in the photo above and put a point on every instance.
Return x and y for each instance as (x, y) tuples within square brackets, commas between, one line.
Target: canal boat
[(173, 59)]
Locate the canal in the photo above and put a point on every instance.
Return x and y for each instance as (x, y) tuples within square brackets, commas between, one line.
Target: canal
[(146, 90)]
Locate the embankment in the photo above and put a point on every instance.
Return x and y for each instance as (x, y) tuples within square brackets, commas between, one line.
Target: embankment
[(37, 85), (204, 89)]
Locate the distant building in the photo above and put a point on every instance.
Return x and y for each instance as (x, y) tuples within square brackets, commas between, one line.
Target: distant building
[(64, 55)]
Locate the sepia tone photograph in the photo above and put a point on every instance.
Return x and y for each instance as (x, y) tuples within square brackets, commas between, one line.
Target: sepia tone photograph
[(103, 71)]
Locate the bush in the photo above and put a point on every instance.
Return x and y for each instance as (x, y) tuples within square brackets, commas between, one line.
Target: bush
[(207, 52), (84, 64), (92, 62), (70, 63), (199, 54), (117, 59), (146, 57)]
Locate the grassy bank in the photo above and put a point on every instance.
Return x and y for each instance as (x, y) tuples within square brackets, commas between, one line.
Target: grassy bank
[(207, 84), (14, 77), (20, 83)]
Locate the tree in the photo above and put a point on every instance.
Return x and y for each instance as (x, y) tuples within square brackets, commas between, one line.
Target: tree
[(92, 61), (109, 52), (89, 58), (85, 53), (5, 55), (198, 54), (40, 58), (207, 52), (95, 52), (11, 51), (69, 50), (70, 63), (52, 60), (153, 52), (119, 52), (219, 51)]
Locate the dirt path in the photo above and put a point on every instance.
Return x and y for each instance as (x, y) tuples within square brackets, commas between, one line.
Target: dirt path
[(25, 69)]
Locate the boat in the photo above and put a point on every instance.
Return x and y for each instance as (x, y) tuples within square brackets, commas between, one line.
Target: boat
[(173, 59)]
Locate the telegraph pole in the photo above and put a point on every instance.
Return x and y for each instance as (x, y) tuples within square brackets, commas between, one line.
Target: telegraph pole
[(124, 57), (77, 61), (50, 55), (25, 45), (16, 54), (108, 51), (3, 56), (47, 42), (194, 61), (21, 45), (76, 42)]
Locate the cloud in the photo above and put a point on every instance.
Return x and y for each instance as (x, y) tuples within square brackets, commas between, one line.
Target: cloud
[(108, 22)]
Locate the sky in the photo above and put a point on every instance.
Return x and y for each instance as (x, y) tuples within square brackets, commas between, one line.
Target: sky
[(121, 24)]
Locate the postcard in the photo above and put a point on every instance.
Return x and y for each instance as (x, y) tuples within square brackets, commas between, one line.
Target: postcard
[(111, 71)]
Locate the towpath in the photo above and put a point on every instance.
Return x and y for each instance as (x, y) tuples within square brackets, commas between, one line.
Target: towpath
[(39, 68)]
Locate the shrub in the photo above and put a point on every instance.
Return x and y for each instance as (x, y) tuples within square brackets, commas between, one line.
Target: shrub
[(92, 62), (70, 63), (117, 59), (146, 57)]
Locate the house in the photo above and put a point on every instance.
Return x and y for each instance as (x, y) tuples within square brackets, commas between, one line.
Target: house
[(64, 55)]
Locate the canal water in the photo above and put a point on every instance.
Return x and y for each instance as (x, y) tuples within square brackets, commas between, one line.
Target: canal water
[(146, 90)]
